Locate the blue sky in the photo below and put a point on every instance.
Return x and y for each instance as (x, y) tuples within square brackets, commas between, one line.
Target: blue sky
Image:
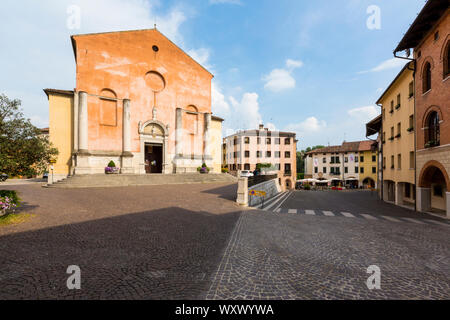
[(313, 67)]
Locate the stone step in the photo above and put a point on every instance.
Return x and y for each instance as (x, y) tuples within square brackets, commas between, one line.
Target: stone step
[(102, 180)]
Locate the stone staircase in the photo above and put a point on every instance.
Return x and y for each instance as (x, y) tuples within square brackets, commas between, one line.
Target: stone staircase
[(123, 180)]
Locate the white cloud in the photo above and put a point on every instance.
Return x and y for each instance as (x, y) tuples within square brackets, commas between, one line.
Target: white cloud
[(386, 65), (238, 2), (219, 104), (292, 64), (363, 114), (200, 55), (308, 126), (281, 79), (238, 115)]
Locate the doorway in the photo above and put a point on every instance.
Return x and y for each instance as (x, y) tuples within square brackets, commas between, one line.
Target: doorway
[(153, 158)]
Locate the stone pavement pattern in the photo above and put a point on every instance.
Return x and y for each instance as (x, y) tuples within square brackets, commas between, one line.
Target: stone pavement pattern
[(168, 251), (193, 242), (272, 256)]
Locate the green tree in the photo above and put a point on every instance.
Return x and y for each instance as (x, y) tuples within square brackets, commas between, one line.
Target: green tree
[(24, 151), (301, 157)]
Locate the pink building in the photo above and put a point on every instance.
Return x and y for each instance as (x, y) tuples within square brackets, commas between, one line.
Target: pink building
[(245, 149)]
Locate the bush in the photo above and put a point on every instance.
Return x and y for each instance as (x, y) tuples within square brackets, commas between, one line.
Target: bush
[(11, 194), (300, 176), (307, 187), (224, 170), (9, 200), (111, 164)]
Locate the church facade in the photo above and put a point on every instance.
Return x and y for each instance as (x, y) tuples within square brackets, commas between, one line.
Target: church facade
[(139, 101)]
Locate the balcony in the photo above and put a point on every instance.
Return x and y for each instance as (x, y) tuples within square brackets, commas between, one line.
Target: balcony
[(431, 144), (287, 173)]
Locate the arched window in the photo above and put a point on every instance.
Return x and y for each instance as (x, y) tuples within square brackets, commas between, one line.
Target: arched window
[(108, 108), (432, 137), (426, 78), (447, 60)]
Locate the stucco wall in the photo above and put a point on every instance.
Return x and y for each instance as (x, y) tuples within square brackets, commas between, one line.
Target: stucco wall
[(368, 164), (126, 64), (61, 131), (404, 144), (216, 145)]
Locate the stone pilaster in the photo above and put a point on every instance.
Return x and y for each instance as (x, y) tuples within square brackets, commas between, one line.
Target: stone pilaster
[(423, 196), (398, 193), (207, 158), (83, 122), (127, 156), (82, 155), (179, 132)]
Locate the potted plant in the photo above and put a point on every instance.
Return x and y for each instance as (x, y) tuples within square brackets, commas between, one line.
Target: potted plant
[(203, 169), (111, 168)]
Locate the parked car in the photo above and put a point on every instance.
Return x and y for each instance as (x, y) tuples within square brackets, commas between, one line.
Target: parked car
[(246, 174), (3, 177)]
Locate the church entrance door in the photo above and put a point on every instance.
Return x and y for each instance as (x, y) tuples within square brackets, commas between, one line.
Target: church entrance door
[(153, 158)]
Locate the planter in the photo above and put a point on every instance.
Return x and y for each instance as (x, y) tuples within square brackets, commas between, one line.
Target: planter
[(112, 170)]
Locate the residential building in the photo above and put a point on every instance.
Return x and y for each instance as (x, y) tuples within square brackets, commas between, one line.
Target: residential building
[(308, 161), (374, 127), (245, 149), (339, 164), (429, 37), (368, 168), (148, 110), (397, 138)]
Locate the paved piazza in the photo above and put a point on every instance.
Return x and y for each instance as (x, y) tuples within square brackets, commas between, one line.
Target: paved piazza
[(193, 242)]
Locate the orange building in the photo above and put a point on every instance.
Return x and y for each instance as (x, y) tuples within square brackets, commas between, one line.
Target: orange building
[(139, 101), (429, 37)]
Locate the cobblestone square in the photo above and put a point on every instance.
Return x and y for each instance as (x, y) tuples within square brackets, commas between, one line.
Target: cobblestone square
[(194, 242)]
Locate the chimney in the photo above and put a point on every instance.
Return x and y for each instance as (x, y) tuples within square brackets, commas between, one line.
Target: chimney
[(261, 126)]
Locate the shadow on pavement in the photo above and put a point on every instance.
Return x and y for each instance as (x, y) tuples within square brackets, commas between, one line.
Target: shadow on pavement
[(228, 192), (170, 253)]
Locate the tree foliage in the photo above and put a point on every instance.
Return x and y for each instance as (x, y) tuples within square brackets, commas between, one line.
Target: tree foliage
[(24, 150), (301, 157)]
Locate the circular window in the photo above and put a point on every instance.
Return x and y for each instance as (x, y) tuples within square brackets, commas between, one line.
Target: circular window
[(155, 81), (155, 48)]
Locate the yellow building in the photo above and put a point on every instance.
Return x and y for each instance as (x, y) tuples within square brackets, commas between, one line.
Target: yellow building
[(368, 160), (61, 104), (216, 143), (397, 104)]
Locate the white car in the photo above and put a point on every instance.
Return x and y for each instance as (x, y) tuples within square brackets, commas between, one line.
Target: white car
[(246, 174)]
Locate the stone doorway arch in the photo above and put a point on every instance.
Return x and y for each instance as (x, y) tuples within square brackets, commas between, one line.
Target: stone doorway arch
[(154, 133), (434, 188)]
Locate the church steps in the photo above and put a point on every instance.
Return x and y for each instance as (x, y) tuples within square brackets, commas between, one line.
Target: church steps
[(102, 180)]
